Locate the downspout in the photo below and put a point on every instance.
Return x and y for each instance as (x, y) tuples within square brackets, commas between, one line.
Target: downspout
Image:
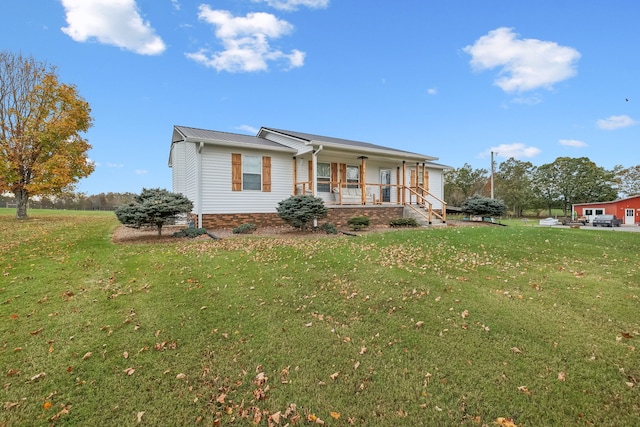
[(199, 182), (315, 180), (315, 168)]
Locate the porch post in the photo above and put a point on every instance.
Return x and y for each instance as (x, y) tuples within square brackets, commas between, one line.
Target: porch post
[(398, 191), (363, 174), (404, 181)]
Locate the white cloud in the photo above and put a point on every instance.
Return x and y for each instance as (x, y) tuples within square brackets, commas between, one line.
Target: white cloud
[(525, 64), (517, 150), (573, 143), (141, 171), (249, 129), (176, 4), (115, 165), (246, 42), (112, 22), (291, 5), (616, 122), (432, 91)]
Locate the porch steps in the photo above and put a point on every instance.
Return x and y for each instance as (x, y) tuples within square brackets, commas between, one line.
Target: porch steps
[(421, 217)]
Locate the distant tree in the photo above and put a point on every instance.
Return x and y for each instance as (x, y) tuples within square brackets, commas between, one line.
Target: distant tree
[(514, 184), (299, 211), (484, 206), (462, 183), (628, 180), (153, 207), (41, 150)]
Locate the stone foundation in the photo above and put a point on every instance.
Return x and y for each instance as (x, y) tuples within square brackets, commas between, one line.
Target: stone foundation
[(378, 215)]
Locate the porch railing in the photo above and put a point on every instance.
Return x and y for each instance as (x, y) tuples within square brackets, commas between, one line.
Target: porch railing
[(414, 196)]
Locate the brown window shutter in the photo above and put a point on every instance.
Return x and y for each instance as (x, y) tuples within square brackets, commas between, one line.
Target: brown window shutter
[(236, 172), (343, 172), (266, 174), (413, 178), (311, 177), (425, 180)]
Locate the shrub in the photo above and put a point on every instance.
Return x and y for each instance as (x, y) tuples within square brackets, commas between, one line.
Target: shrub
[(190, 232), (300, 211), (358, 222), (483, 206), (247, 228), (153, 207), (403, 222), (329, 228)]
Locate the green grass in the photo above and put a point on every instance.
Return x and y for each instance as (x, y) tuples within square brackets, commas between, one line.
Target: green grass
[(453, 326)]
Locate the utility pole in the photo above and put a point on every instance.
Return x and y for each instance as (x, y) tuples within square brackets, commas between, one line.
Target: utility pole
[(492, 171)]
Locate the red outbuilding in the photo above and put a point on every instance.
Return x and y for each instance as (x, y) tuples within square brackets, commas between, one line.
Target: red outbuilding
[(628, 209)]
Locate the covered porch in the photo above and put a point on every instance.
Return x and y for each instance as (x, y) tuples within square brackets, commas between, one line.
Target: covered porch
[(342, 183)]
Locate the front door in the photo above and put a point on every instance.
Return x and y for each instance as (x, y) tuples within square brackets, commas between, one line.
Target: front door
[(385, 178), (629, 216)]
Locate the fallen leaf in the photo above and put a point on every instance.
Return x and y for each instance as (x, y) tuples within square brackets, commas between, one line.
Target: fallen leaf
[(516, 350), (11, 372), (37, 331), (626, 335), (140, 414), (334, 375), (86, 355), (47, 405), (10, 405), (335, 415), (125, 355), (419, 324), (465, 314), (524, 389), (64, 410), (630, 384), (561, 376), (181, 376), (504, 422), (37, 376), (129, 371)]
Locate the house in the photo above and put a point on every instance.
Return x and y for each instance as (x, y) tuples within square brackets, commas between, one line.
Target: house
[(234, 179), (627, 209)]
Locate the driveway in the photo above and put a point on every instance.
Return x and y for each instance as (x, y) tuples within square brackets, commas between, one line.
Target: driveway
[(629, 228)]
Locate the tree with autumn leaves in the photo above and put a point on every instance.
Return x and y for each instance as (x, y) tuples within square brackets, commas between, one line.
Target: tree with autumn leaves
[(41, 119)]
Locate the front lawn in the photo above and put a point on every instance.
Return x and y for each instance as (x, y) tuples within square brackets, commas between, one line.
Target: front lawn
[(448, 326)]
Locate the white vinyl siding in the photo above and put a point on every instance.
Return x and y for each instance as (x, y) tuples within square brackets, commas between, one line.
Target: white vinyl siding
[(183, 161), (217, 194)]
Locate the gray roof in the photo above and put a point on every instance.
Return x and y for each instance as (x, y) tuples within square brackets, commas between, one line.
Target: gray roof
[(189, 134), (346, 143), (184, 133)]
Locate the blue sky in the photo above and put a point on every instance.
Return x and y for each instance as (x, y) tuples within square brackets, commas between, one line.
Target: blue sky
[(454, 79)]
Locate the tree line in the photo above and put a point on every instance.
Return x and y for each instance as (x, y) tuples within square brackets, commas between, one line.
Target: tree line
[(557, 185), (73, 201)]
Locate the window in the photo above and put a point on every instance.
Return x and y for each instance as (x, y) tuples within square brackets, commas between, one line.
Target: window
[(251, 173), (599, 211), (324, 177), (353, 176), (588, 212)]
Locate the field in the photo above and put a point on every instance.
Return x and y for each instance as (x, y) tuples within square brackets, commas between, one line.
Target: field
[(472, 326)]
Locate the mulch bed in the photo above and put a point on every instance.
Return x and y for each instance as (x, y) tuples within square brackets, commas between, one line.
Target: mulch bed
[(124, 234)]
